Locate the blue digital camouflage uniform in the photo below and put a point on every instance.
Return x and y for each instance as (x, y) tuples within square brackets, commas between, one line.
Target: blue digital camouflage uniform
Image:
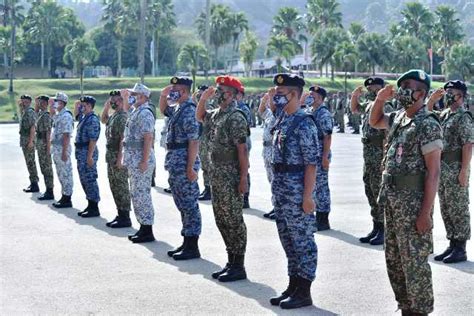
[(268, 123), (324, 125), (88, 130), (182, 128), (141, 121), (295, 145), (63, 123)]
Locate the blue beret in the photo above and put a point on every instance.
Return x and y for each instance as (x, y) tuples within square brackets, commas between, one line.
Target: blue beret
[(181, 80), (320, 90), (373, 81), (88, 99), (203, 87), (456, 84), (417, 75), (288, 80), (114, 93), (26, 97)]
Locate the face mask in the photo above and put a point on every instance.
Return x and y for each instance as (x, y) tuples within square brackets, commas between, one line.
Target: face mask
[(113, 105), (371, 95), (405, 97), (81, 109), (309, 100), (220, 95), (280, 100), (174, 95), (132, 99), (55, 105), (449, 99)]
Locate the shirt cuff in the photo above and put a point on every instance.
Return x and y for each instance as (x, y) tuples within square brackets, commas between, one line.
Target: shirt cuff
[(432, 146)]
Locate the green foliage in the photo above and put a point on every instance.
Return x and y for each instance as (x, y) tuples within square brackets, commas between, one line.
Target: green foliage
[(193, 57), (460, 62), (248, 49), (323, 14)]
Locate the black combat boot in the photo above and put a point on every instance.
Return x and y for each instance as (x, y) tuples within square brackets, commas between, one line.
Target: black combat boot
[(167, 190), (121, 221), (48, 195), (323, 222), (372, 234), (33, 188), (138, 232), (190, 249), (246, 204), (379, 238), (93, 210), (236, 270), (406, 312), (64, 202), (177, 249), (86, 209), (146, 235), (206, 194), (153, 184), (301, 297), (267, 215), (445, 253), (290, 290), (458, 254), (230, 259)]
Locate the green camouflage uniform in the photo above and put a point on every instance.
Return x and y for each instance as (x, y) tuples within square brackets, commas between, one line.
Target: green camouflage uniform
[(458, 130), (373, 141), (204, 149), (401, 196), (227, 129), (28, 119), (118, 177), (340, 114), (44, 124)]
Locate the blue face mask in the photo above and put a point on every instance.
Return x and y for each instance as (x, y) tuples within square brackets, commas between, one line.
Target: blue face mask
[(81, 109), (309, 100), (132, 99), (174, 95), (280, 101)]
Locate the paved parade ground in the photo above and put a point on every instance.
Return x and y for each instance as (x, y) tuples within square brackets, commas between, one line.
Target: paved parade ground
[(54, 262)]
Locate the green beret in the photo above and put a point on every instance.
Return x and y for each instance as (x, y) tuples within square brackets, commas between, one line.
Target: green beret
[(417, 75)]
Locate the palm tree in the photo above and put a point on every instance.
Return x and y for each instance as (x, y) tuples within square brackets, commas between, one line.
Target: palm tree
[(80, 53), (142, 40), (238, 24), (281, 47), (411, 53), (374, 50), (324, 49), (220, 33), (355, 31), (323, 14), (460, 62), (417, 21), (115, 17), (345, 57), (192, 57), (248, 49), (448, 29), (45, 25), (290, 23), (5, 45)]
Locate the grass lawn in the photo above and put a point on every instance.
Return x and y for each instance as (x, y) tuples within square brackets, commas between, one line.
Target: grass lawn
[(100, 87)]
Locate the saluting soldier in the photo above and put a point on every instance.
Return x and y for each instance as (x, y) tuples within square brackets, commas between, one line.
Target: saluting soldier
[(87, 154), (27, 140), (373, 141), (117, 173), (229, 167), (295, 153), (458, 136), (139, 158), (44, 124), (409, 184), (63, 126), (182, 162)]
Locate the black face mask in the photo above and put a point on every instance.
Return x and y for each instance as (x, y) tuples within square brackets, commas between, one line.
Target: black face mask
[(406, 98), (371, 95), (449, 99)]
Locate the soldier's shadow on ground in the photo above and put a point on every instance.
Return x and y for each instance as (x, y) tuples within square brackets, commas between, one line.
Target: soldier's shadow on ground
[(259, 292), (348, 238), (96, 222), (466, 266)]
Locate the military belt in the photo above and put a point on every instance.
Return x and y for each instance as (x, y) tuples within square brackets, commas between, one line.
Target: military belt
[(373, 140), (226, 156), (400, 182), (285, 168), (81, 144), (174, 146), (133, 145), (452, 156), (267, 143)]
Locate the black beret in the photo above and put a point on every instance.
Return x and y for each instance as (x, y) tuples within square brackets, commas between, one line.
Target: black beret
[(43, 97), (203, 87), (181, 80), (456, 84), (88, 99), (26, 97), (373, 81), (288, 80), (319, 90), (114, 93)]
